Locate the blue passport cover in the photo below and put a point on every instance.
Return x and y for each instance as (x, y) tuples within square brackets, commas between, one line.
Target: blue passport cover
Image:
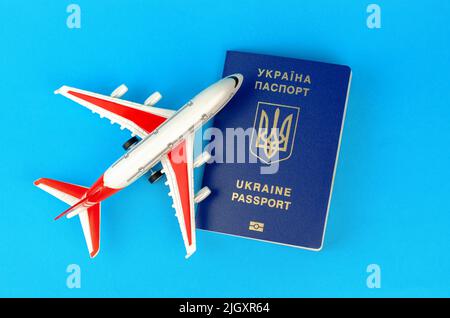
[(293, 111)]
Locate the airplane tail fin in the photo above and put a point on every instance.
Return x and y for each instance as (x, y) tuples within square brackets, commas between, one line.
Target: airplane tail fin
[(73, 195)]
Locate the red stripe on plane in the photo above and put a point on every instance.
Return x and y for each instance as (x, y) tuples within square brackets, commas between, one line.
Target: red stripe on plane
[(145, 120), (180, 168)]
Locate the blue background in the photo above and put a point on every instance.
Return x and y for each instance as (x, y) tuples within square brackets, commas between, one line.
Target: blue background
[(390, 202)]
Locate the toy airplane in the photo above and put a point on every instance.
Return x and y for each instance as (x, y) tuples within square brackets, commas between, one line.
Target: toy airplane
[(165, 136)]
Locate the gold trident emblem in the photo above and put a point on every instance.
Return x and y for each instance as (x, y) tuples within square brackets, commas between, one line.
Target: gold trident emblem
[(276, 139)]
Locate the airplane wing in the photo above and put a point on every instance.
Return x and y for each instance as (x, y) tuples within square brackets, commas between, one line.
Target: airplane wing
[(139, 119), (179, 170)]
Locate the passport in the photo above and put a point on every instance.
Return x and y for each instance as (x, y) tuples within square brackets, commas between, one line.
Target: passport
[(274, 150)]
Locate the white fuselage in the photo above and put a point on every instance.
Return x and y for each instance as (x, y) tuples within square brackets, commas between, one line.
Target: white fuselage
[(149, 151)]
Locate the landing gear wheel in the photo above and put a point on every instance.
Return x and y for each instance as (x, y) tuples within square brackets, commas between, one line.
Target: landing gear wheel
[(155, 176), (130, 142)]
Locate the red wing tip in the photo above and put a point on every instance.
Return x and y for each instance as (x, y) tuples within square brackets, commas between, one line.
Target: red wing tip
[(38, 181), (93, 254)]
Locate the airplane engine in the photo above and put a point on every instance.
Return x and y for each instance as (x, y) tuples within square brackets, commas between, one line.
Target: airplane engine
[(202, 159), (153, 99), (202, 194), (119, 91)]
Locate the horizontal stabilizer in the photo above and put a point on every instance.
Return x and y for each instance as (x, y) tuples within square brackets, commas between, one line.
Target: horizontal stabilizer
[(66, 192), (90, 222), (74, 195)]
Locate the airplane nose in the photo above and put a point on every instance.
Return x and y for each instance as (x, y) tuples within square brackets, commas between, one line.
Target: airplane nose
[(218, 94)]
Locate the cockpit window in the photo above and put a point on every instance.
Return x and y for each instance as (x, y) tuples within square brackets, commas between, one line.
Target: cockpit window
[(236, 80)]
